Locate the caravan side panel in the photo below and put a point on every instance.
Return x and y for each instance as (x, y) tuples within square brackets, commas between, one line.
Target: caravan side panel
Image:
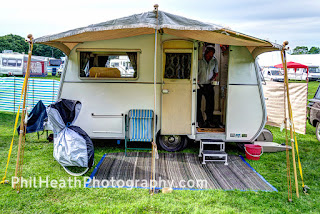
[(104, 105), (106, 102), (246, 113)]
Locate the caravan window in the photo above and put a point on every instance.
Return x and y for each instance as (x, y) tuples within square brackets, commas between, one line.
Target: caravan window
[(9, 62), (19, 62), (178, 66), (4, 62), (314, 70), (108, 65)]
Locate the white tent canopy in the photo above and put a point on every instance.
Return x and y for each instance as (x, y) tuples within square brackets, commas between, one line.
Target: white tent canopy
[(146, 23)]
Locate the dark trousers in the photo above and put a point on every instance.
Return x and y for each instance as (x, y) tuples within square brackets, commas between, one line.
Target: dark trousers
[(207, 91)]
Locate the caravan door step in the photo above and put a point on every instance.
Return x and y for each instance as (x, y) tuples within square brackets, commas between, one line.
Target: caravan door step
[(219, 141), (213, 152), (220, 154), (213, 130)]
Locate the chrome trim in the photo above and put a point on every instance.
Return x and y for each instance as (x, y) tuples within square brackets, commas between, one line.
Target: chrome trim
[(107, 115), (244, 84), (63, 77), (111, 82), (318, 109), (107, 132), (264, 109)]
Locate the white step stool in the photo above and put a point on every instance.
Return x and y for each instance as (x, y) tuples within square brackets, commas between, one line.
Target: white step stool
[(221, 154)]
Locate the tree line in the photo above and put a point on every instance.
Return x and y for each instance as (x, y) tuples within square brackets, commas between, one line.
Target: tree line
[(304, 50), (17, 43)]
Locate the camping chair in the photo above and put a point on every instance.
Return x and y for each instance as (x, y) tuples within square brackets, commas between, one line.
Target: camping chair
[(139, 127)]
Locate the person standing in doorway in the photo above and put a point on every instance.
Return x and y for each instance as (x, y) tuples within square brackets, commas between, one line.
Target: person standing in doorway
[(207, 72)]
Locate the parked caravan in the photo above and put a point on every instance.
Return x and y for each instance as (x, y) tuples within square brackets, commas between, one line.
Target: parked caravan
[(163, 50), (11, 64), (298, 74)]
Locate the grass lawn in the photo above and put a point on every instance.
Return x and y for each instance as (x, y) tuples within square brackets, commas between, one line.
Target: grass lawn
[(39, 161), (47, 77)]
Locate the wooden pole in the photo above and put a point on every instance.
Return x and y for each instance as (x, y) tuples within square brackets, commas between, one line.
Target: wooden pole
[(22, 125), (284, 62), (287, 142)]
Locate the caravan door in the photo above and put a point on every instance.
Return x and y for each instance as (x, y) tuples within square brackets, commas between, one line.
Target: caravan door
[(177, 88)]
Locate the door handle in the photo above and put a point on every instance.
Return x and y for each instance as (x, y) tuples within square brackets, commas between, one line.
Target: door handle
[(165, 91)]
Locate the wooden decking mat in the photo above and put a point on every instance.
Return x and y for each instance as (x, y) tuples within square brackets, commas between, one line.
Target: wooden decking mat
[(173, 168), (215, 130)]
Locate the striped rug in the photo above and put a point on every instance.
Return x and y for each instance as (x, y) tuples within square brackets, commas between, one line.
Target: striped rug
[(176, 170)]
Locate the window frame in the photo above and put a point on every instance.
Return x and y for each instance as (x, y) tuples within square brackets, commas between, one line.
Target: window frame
[(109, 51), (12, 59), (178, 51)]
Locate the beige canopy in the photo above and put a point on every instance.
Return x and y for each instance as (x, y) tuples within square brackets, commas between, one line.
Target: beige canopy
[(146, 23)]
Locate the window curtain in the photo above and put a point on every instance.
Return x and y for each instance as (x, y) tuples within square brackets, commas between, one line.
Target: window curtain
[(133, 60), (84, 59)]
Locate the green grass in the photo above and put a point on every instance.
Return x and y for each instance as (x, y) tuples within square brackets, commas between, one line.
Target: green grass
[(47, 77), (38, 161), (312, 88)]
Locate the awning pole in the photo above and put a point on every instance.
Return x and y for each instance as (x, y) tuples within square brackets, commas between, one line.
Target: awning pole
[(284, 62), (154, 145), (22, 133)]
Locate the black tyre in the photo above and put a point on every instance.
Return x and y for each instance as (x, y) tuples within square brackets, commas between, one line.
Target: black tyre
[(318, 131), (172, 143)]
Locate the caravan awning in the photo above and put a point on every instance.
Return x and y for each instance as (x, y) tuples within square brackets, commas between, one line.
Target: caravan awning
[(146, 23)]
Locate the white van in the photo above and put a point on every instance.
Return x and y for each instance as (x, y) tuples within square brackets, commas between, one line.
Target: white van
[(273, 74), (314, 73)]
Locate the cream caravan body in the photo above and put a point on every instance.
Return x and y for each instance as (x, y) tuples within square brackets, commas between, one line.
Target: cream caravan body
[(153, 37)]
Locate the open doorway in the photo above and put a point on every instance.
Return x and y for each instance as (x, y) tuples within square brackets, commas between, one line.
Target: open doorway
[(212, 87)]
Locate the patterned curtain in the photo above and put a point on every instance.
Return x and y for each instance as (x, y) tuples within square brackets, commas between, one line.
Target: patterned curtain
[(178, 66), (133, 60)]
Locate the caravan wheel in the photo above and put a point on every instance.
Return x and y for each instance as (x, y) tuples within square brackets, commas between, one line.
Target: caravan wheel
[(172, 143)]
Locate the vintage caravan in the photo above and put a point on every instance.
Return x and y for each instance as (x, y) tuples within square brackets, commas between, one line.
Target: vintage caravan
[(11, 63), (157, 43)]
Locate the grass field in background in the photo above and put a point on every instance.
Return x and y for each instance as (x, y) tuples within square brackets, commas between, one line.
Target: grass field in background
[(47, 77), (38, 161)]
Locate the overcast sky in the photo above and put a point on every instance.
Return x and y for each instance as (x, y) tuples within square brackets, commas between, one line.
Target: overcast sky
[(297, 21)]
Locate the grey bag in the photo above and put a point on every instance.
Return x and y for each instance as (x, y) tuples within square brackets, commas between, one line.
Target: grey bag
[(72, 146)]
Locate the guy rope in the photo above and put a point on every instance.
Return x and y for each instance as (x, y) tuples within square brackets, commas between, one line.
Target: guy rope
[(293, 138), (154, 154)]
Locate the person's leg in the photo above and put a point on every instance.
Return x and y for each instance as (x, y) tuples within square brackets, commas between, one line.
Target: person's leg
[(209, 95), (199, 113)]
